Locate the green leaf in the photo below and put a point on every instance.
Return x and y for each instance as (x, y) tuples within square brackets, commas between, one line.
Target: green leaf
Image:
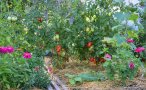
[(79, 79), (120, 16), (72, 81), (133, 17), (70, 76), (88, 77), (117, 27), (8, 86), (118, 1), (119, 39), (106, 64), (132, 46)]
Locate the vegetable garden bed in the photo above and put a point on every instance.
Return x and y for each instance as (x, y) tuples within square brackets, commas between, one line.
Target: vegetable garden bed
[(105, 37), (75, 67)]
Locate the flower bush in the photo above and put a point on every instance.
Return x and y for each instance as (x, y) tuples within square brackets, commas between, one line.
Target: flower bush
[(123, 63), (18, 72)]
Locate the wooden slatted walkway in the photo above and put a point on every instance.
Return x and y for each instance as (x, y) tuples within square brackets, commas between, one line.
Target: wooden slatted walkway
[(56, 84)]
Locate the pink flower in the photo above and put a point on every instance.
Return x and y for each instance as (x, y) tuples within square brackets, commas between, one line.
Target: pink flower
[(131, 65), (108, 56), (130, 40), (139, 49), (3, 50), (27, 55), (50, 70), (10, 49)]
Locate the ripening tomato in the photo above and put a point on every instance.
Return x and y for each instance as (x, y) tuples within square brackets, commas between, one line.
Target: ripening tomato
[(58, 48), (89, 44), (92, 59), (40, 20), (102, 60)]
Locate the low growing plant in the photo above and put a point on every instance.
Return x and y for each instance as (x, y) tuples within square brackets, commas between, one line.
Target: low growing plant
[(84, 77)]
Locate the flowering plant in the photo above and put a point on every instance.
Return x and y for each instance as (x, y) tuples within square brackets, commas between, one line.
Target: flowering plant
[(122, 64), (20, 70)]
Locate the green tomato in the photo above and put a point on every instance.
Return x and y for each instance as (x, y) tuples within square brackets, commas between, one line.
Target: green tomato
[(87, 29), (92, 29), (91, 48), (26, 30), (14, 18), (62, 53), (93, 18), (88, 19), (9, 18), (56, 37)]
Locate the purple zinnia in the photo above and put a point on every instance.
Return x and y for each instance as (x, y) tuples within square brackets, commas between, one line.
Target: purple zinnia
[(3, 50), (10, 49), (139, 49), (108, 56), (131, 65), (27, 55), (130, 40)]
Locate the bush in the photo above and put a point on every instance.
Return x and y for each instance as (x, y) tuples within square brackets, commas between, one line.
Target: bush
[(16, 70)]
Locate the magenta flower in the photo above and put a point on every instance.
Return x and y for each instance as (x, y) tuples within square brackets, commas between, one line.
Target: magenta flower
[(50, 70), (10, 49), (139, 49), (131, 65), (108, 56), (3, 50), (130, 40), (27, 55)]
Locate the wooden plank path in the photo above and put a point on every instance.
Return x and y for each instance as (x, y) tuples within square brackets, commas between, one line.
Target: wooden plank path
[(57, 84)]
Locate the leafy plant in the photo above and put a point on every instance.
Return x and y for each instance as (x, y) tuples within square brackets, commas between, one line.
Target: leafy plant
[(80, 78), (124, 64)]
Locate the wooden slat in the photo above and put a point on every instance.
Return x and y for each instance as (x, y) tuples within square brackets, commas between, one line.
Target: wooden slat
[(60, 83), (55, 85), (50, 87)]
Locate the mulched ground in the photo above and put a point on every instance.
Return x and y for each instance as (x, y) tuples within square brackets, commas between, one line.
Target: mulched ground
[(76, 67)]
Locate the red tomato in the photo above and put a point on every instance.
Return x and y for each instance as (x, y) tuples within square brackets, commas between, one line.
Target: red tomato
[(89, 44), (58, 48), (92, 59)]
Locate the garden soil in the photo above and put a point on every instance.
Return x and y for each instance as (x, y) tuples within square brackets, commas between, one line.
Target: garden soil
[(76, 67)]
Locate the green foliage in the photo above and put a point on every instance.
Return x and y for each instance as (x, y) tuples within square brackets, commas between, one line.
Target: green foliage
[(118, 66), (80, 78), (38, 25), (17, 72)]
